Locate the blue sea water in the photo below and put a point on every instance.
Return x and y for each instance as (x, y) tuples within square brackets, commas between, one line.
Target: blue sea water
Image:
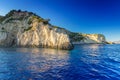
[(84, 62)]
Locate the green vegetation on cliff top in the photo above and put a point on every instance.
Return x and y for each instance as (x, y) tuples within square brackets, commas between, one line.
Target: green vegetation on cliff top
[(24, 14)]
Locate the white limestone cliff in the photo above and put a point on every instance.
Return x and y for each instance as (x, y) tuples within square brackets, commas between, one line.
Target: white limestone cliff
[(79, 38), (28, 30)]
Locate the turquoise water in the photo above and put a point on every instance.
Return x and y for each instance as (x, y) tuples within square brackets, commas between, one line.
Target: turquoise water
[(84, 62)]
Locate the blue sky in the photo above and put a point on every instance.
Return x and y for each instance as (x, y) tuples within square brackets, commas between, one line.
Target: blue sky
[(86, 16)]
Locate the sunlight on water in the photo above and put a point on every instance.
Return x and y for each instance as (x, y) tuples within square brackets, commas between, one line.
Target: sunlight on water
[(31, 61), (85, 62)]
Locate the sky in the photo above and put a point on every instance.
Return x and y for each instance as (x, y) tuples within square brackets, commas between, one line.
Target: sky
[(85, 16)]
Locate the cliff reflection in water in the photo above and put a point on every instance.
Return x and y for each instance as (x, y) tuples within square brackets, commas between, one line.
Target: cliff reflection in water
[(47, 58), (84, 62), (33, 62)]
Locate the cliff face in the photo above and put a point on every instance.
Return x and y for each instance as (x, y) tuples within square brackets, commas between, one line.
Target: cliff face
[(26, 29), (79, 38), (94, 38)]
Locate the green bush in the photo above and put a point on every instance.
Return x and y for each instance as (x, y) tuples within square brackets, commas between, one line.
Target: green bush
[(29, 28), (76, 36), (3, 28), (9, 15), (30, 21), (58, 27), (39, 19)]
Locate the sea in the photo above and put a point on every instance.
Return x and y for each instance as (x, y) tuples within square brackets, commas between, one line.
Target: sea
[(84, 62)]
